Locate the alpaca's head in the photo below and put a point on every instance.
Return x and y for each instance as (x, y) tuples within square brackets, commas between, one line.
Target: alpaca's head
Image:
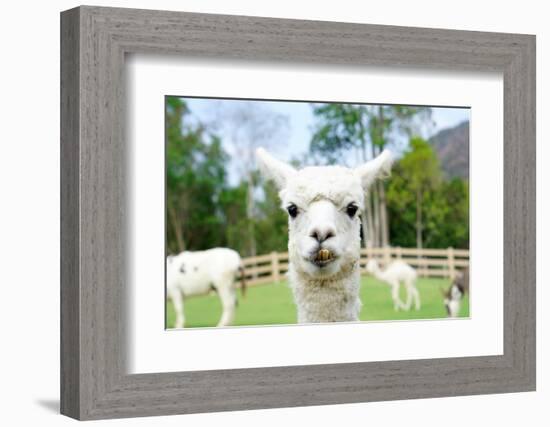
[(372, 266), (452, 300), (453, 296), (324, 204)]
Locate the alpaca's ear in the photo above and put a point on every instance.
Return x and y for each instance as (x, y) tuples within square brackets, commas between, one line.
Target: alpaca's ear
[(274, 169), (378, 167)]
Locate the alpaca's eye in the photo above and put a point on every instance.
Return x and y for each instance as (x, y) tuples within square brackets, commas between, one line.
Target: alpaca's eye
[(292, 210), (351, 210)]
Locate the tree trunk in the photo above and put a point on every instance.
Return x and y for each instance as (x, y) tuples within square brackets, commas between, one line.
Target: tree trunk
[(384, 228), (418, 219), (366, 220), (250, 216), (376, 217), (384, 223), (376, 209), (177, 226)]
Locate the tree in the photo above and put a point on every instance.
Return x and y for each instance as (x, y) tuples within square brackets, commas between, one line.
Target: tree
[(233, 206), (195, 179), (272, 222), (385, 123), (366, 130), (445, 212), (420, 172), (249, 126), (341, 128), (447, 215)]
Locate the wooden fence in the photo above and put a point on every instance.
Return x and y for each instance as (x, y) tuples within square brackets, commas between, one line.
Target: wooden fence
[(272, 267)]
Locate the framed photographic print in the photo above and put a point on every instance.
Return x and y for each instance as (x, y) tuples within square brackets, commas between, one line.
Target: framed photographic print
[(211, 169), (275, 213)]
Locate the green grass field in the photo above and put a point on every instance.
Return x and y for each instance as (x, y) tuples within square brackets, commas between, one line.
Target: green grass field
[(272, 305)]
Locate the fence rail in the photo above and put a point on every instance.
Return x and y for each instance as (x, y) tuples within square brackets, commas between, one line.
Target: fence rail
[(272, 267)]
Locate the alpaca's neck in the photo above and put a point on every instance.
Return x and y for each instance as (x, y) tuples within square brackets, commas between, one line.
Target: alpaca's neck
[(333, 299), (379, 274)]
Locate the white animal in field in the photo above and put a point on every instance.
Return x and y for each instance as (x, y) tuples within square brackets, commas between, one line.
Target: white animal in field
[(324, 204), (198, 273), (398, 272)]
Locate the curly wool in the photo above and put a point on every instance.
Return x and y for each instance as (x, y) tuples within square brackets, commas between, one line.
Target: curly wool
[(334, 299)]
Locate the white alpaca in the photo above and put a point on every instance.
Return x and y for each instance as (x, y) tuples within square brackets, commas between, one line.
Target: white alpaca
[(198, 273), (397, 272), (324, 204)]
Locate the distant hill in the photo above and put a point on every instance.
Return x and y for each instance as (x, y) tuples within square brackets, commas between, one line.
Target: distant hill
[(453, 149)]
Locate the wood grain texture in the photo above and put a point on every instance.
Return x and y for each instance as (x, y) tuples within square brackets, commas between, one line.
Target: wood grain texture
[(70, 291), (94, 382)]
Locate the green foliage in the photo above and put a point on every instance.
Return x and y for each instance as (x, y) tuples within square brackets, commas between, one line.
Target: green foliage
[(233, 206), (195, 179), (447, 216), (420, 166), (203, 211), (444, 205), (272, 224), (401, 209), (340, 127)]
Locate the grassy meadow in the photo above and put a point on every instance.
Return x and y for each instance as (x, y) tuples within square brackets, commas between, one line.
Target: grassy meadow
[(272, 304)]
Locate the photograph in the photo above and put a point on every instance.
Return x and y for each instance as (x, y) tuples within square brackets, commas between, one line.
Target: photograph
[(300, 212)]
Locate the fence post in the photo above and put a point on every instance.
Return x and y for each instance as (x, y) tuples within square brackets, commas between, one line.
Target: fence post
[(275, 266), (426, 263), (398, 252), (451, 262), (387, 255), (367, 252)]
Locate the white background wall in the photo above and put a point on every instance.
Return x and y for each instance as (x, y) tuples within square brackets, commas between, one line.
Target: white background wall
[(29, 211)]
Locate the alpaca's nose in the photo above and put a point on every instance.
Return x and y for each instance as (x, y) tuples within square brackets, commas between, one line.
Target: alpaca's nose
[(322, 233)]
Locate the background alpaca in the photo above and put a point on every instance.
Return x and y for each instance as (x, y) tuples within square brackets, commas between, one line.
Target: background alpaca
[(456, 292), (397, 272), (324, 204), (197, 273)]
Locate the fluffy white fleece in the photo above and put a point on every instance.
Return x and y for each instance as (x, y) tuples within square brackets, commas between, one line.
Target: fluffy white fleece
[(332, 299), (398, 272), (322, 196), (200, 272)]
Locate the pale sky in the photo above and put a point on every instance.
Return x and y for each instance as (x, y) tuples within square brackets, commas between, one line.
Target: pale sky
[(294, 141)]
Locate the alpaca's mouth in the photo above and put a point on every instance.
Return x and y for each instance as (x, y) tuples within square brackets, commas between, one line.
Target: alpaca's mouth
[(323, 257)]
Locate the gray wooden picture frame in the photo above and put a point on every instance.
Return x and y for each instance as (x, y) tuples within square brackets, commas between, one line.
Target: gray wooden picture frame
[(94, 381)]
